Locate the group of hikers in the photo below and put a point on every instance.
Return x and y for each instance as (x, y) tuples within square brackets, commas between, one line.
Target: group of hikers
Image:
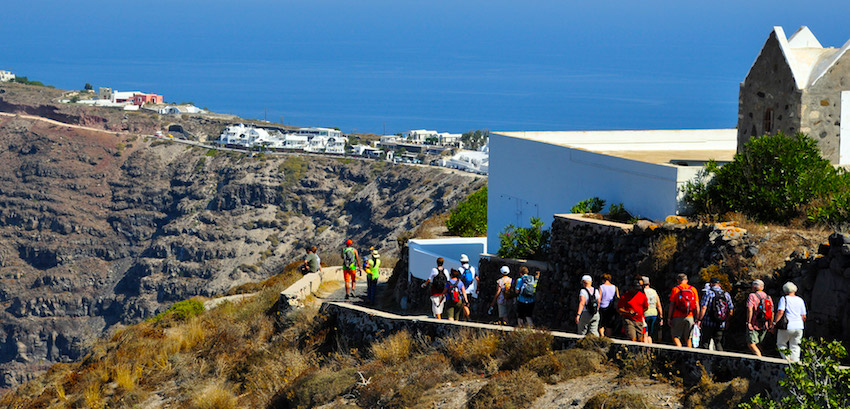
[(694, 317), (351, 263)]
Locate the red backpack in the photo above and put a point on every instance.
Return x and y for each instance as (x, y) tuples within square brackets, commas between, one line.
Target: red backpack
[(764, 311), (686, 301)]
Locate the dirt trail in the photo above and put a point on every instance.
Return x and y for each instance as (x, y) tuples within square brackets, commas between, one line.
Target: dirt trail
[(52, 122)]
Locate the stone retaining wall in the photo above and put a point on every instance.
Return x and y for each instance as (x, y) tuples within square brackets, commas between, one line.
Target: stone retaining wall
[(361, 326), (294, 295)]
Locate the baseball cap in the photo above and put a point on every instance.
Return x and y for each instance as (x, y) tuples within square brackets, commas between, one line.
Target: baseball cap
[(505, 270), (645, 280), (586, 278), (464, 258)]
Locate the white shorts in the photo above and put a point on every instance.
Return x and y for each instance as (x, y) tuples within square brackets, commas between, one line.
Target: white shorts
[(437, 303)]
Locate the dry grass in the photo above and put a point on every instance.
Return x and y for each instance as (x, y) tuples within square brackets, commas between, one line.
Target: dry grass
[(393, 349), (662, 251), (708, 394), (472, 350), (618, 400), (523, 345), (432, 227), (508, 390), (563, 365), (215, 396)]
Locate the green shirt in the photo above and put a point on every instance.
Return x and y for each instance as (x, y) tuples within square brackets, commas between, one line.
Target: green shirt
[(374, 267), (312, 262)]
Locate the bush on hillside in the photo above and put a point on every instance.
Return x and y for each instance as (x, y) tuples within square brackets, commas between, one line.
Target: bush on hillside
[(469, 218), (181, 310), (771, 180), (530, 243), (515, 389), (817, 381), (618, 400)]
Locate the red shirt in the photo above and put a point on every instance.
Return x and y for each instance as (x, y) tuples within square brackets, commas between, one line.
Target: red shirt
[(634, 300), (674, 296)]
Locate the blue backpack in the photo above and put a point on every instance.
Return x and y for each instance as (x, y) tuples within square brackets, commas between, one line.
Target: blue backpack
[(467, 277)]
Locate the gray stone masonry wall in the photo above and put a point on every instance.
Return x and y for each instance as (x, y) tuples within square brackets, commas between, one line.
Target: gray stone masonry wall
[(821, 108), (769, 84), (360, 326)]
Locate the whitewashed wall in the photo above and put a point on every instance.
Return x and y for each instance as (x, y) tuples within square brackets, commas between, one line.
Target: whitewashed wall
[(536, 179)]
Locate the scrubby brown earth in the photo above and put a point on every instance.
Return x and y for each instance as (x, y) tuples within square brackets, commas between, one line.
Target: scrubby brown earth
[(105, 227)]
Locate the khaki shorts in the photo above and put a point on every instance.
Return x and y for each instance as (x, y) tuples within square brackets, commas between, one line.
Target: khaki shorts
[(756, 336), (681, 327), (634, 329)]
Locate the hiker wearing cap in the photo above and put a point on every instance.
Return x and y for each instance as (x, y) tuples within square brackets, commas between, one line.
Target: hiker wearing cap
[(631, 307), (373, 266), (526, 288), (715, 311), (587, 316), (437, 281), (502, 297), (350, 264), (470, 281), (759, 316), (654, 314)]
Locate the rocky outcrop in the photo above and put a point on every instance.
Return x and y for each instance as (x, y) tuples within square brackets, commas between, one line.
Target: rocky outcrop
[(99, 229)]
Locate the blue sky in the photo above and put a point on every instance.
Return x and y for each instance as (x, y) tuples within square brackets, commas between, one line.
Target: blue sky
[(447, 65)]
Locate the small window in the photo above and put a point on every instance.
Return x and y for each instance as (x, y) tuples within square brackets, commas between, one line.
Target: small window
[(768, 121)]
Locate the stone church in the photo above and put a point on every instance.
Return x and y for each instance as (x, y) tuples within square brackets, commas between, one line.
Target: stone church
[(797, 85)]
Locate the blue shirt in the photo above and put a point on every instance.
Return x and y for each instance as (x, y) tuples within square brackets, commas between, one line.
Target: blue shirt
[(521, 298)]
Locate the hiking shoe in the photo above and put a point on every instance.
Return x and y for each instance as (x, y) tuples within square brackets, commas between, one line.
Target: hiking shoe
[(346, 296)]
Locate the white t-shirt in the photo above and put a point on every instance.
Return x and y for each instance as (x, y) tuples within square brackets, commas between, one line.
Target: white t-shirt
[(434, 273), (585, 293), (472, 288), (795, 310)]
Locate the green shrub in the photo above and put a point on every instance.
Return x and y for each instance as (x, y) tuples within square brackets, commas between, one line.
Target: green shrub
[(771, 180), (469, 218), (508, 390), (181, 310), (293, 169), (817, 381), (834, 208), (592, 205), (618, 213), (618, 400), (530, 243)]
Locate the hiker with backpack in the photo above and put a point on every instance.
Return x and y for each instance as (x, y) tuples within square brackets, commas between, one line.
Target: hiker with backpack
[(608, 315), (587, 315), (631, 307), (373, 271), (470, 280), (350, 264), (526, 288), (437, 280), (684, 300), (789, 322), (716, 309), (654, 315), (503, 297), (759, 316), (455, 295)]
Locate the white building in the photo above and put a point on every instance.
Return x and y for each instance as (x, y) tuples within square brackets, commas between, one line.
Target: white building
[(180, 109), (419, 135), (324, 132), (317, 143), (470, 161), (539, 174), (336, 145), (294, 141), (6, 76), (448, 139), (245, 136)]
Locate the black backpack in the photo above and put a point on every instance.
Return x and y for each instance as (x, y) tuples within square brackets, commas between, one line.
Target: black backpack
[(440, 281), (719, 307), (592, 304)]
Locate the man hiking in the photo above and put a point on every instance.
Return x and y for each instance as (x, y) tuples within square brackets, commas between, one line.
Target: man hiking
[(373, 266), (759, 316), (437, 281), (470, 281), (684, 300), (350, 264), (715, 311)]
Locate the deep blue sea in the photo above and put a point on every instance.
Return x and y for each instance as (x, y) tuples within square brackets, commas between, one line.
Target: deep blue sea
[(390, 66)]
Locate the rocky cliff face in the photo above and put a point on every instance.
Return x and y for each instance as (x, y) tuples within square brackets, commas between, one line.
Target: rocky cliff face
[(99, 229)]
